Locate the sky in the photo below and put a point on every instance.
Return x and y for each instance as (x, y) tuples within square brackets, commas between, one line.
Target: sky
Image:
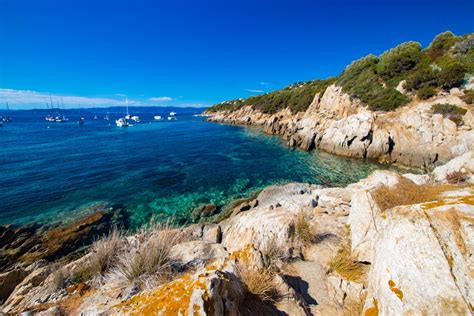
[(197, 52)]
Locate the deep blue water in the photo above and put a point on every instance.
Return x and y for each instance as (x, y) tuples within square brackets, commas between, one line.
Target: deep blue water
[(51, 171)]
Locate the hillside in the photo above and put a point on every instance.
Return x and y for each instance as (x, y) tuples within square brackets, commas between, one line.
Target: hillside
[(375, 80), (409, 106)]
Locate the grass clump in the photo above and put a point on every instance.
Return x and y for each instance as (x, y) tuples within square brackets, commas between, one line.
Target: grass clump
[(406, 192), (82, 274), (259, 282), (150, 260), (345, 264), (273, 252), (450, 111), (303, 230), (105, 253)]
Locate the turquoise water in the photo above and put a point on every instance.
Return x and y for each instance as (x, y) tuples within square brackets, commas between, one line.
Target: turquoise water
[(51, 171)]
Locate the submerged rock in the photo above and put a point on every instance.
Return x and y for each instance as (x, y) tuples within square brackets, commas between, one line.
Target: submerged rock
[(204, 211), (31, 243)]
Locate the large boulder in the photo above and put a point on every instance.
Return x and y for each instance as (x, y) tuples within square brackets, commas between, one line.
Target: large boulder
[(422, 258), (197, 252), (209, 291)]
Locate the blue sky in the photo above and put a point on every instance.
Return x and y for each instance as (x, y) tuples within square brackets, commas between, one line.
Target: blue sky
[(191, 53)]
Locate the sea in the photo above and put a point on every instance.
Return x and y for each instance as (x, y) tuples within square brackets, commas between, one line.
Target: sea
[(155, 169)]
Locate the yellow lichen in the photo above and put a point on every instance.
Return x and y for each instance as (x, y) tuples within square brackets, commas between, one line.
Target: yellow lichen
[(395, 290), (243, 255), (172, 298), (373, 311), (468, 199)]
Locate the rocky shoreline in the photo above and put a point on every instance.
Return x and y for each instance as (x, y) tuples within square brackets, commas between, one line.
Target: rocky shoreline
[(390, 244), (412, 135)]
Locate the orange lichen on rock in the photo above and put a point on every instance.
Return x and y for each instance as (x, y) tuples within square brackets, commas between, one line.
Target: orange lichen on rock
[(468, 199), (373, 311), (172, 298), (395, 290), (243, 255)]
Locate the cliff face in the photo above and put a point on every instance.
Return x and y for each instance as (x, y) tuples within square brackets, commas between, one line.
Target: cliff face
[(412, 135)]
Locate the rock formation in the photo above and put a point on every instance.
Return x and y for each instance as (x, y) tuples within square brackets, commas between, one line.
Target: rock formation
[(412, 135)]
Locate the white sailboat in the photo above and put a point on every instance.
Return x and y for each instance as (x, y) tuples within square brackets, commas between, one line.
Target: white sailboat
[(7, 118), (123, 121)]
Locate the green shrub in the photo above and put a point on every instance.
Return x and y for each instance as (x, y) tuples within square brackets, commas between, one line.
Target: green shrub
[(450, 111), (399, 59), (426, 92), (372, 79), (421, 77), (468, 96), (388, 99), (360, 79), (452, 76), (441, 44)]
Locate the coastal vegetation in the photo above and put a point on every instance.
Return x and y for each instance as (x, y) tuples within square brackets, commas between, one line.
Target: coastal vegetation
[(450, 111), (374, 80)]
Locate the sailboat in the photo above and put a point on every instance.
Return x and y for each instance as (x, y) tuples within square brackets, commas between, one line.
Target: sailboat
[(106, 117), (123, 121), (7, 118), (50, 116)]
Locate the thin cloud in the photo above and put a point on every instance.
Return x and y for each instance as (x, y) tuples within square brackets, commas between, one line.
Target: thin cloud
[(193, 105), (120, 95), (254, 90), (22, 99), (264, 83), (160, 99)]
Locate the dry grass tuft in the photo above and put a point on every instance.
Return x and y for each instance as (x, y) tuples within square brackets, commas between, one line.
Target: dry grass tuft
[(259, 282), (149, 263), (304, 232), (58, 279), (406, 192), (274, 251), (346, 265), (105, 253)]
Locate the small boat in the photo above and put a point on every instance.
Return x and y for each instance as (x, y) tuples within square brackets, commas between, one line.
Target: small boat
[(8, 118), (157, 117), (81, 120), (123, 121), (96, 117), (135, 118), (170, 118), (172, 114), (106, 117)]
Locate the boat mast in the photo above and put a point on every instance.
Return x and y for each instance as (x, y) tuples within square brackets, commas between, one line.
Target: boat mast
[(126, 102)]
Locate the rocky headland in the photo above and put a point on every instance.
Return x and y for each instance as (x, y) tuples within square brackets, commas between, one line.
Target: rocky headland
[(412, 135)]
